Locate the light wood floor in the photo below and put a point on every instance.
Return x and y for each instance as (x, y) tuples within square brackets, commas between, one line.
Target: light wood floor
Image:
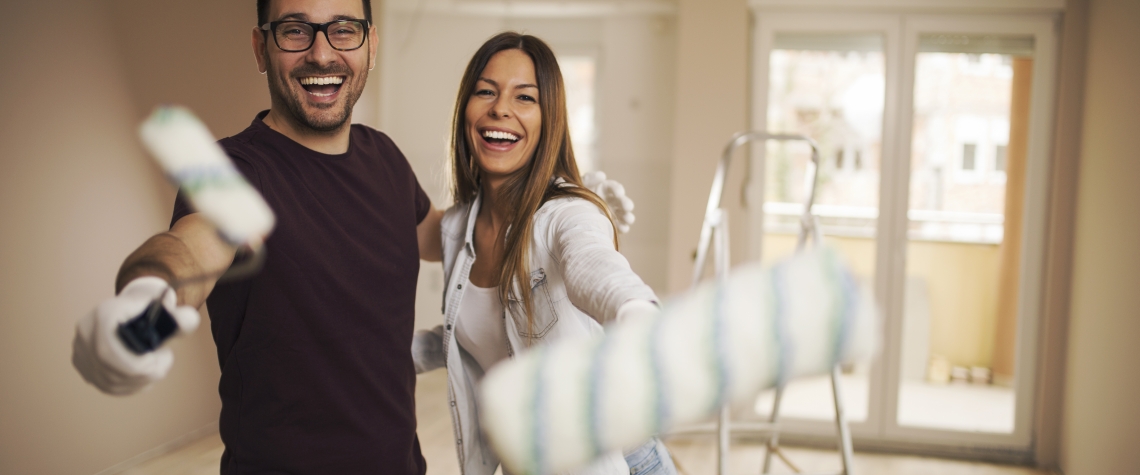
[(695, 456)]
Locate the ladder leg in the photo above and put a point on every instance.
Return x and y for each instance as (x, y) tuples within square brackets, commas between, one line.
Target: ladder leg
[(841, 422), (774, 440), (722, 441), (721, 251)]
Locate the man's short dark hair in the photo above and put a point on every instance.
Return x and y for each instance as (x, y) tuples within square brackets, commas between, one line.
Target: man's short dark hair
[(263, 11)]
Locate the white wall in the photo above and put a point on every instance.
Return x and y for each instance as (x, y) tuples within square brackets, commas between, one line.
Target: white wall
[(712, 97), (635, 122), (1101, 423), (423, 57), (77, 194)]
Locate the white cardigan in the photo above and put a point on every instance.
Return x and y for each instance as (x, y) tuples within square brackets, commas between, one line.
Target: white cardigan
[(578, 282)]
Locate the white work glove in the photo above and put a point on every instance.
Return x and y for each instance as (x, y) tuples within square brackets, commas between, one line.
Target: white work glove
[(427, 349), (613, 193), (102, 358)]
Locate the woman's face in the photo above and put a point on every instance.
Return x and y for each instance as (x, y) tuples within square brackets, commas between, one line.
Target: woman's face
[(504, 121)]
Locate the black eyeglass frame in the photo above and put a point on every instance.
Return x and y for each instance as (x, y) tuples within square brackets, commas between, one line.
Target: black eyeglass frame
[(271, 27)]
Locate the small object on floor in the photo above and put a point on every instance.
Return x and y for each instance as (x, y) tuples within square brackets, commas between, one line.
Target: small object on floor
[(959, 374), (980, 375), (939, 371)]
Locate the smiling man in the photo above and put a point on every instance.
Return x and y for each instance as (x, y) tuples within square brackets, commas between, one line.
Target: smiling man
[(317, 377)]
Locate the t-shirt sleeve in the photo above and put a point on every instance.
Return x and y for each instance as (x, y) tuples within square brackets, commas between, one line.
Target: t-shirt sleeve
[(423, 203), (400, 170), (419, 198), (182, 206)]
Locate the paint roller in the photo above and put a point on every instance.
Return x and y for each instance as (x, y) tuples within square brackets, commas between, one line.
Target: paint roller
[(560, 406), (193, 161)]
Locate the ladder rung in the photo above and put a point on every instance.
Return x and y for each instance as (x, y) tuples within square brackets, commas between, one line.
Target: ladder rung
[(735, 428)]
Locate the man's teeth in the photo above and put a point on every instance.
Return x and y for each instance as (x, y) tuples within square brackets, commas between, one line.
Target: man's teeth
[(321, 81), (495, 134)]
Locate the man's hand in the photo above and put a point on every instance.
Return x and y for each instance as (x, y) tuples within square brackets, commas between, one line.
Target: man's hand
[(102, 358), (613, 193)]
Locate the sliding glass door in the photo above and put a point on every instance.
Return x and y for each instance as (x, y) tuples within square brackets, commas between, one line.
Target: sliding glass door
[(933, 132)]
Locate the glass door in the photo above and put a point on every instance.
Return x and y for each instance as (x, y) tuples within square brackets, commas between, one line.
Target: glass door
[(969, 189), (933, 131), (967, 175)]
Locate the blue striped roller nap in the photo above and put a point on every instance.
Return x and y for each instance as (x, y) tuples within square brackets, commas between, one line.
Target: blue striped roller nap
[(560, 406), (193, 161)]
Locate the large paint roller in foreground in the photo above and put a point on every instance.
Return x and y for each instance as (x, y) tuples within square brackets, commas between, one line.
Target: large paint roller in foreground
[(560, 406)]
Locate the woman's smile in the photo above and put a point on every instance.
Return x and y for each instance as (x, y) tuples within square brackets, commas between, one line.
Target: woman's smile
[(499, 139)]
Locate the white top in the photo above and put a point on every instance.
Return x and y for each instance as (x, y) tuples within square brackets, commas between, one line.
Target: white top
[(578, 282), (479, 327)]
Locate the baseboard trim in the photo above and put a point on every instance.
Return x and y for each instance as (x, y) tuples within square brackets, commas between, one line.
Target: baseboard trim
[(163, 449)]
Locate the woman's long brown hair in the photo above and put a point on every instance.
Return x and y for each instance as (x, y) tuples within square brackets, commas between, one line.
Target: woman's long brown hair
[(523, 193)]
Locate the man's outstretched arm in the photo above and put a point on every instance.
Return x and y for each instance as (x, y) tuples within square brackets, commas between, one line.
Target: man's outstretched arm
[(191, 248)]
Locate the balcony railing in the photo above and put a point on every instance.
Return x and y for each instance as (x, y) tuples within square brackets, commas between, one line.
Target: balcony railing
[(859, 221)]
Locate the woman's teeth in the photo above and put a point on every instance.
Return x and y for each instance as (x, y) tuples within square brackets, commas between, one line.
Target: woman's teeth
[(498, 135)]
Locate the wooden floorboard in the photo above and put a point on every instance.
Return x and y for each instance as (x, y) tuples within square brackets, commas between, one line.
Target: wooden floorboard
[(695, 455)]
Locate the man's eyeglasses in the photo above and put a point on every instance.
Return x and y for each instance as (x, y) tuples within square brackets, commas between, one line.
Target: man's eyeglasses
[(296, 36)]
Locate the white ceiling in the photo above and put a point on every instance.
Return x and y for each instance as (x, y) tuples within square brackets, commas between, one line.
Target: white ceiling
[(536, 8)]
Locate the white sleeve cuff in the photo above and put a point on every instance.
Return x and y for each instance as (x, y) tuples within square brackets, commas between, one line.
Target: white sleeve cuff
[(634, 309)]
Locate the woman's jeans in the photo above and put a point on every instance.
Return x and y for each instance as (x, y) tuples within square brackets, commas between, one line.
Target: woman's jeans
[(652, 458)]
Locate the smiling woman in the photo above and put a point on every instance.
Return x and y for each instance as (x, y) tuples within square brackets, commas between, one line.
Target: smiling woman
[(544, 265)]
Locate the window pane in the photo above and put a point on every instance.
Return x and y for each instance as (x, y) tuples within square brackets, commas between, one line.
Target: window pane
[(968, 152), (963, 251), (830, 88), (578, 75)]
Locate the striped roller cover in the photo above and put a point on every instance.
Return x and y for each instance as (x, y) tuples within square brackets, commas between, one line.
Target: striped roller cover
[(559, 406)]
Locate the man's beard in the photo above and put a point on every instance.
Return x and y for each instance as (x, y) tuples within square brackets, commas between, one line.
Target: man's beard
[(326, 119)]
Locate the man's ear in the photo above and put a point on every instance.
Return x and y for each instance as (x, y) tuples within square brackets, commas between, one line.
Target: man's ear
[(260, 54), (373, 45)]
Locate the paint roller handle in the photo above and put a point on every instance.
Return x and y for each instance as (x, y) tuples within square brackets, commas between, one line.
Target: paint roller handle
[(147, 331)]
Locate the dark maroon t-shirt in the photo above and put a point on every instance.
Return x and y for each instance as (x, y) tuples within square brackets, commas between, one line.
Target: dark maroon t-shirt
[(317, 373)]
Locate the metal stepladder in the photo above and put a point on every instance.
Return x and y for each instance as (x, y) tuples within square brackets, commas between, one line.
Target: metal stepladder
[(714, 233)]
